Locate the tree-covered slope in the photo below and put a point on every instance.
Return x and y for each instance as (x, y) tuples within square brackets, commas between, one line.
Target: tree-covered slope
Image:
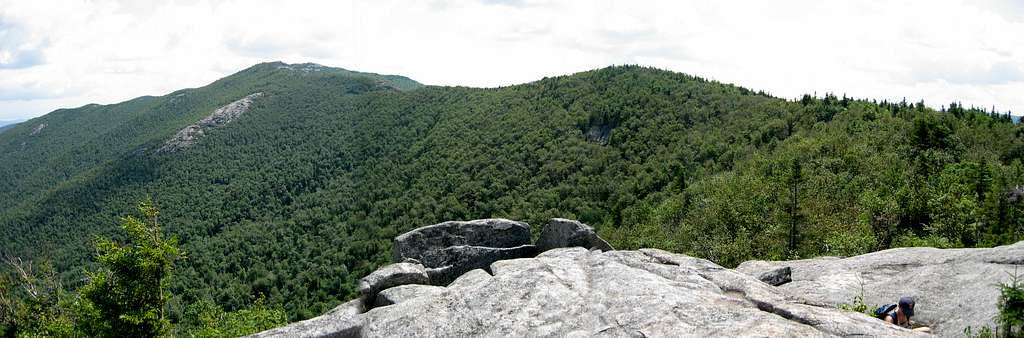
[(7, 126), (302, 194), (46, 151)]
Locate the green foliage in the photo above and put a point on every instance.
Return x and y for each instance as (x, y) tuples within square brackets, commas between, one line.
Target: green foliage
[(873, 176), (33, 303), (955, 203), (127, 297), (1011, 312), (984, 332), (206, 319), (794, 179), (1011, 307), (858, 305)]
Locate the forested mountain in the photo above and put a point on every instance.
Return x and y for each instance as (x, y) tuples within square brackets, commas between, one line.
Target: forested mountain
[(302, 193), (4, 125)]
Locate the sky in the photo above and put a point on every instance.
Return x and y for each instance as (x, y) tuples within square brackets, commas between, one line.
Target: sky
[(61, 54)]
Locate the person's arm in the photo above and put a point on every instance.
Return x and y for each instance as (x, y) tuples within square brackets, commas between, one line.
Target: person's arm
[(889, 319)]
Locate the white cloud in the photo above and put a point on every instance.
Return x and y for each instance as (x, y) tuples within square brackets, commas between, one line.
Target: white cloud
[(70, 53)]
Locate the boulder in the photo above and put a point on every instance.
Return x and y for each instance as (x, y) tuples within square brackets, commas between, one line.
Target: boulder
[(391, 276), (495, 233), (454, 261), (576, 292), (565, 233), (403, 293), (777, 276), (954, 288), (350, 308), (469, 278), (341, 322)]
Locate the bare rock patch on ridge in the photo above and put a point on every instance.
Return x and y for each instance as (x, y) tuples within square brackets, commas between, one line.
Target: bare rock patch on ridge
[(188, 136)]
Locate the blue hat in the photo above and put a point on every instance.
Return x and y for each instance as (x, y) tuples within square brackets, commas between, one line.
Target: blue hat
[(907, 306)]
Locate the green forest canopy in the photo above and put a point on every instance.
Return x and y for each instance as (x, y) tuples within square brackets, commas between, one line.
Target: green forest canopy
[(301, 196)]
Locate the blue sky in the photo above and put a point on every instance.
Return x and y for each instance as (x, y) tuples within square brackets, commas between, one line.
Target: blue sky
[(57, 54)]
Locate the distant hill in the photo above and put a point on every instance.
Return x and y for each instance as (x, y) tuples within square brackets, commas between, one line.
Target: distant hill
[(7, 124), (294, 178)]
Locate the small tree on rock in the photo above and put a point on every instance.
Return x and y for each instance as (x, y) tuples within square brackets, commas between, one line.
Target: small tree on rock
[(1011, 307)]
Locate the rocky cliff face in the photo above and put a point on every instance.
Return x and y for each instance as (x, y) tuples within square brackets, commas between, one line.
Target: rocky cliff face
[(578, 287), (37, 129)]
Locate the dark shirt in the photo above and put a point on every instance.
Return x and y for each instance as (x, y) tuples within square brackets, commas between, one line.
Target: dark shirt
[(896, 320)]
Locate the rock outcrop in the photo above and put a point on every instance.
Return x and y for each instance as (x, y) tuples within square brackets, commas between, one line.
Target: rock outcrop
[(450, 249), (422, 242), (577, 292), (453, 261), (954, 288), (391, 276), (580, 293), (37, 129), (776, 276), (187, 136), (403, 293), (565, 233), (342, 321)]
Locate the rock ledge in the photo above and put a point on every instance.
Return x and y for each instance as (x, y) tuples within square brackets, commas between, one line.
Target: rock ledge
[(575, 292)]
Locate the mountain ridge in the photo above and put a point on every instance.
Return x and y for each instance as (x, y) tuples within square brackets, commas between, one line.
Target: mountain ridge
[(147, 105)]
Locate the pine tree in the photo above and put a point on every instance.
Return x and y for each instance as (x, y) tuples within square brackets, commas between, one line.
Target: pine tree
[(793, 181), (126, 297)]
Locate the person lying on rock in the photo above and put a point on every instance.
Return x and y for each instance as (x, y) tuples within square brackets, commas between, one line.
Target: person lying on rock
[(899, 313)]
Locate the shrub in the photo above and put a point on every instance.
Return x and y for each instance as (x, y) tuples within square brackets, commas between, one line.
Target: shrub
[(1011, 307)]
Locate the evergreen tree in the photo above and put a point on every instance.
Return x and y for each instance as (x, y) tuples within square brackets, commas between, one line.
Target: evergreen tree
[(1011, 307), (126, 298), (793, 181)]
